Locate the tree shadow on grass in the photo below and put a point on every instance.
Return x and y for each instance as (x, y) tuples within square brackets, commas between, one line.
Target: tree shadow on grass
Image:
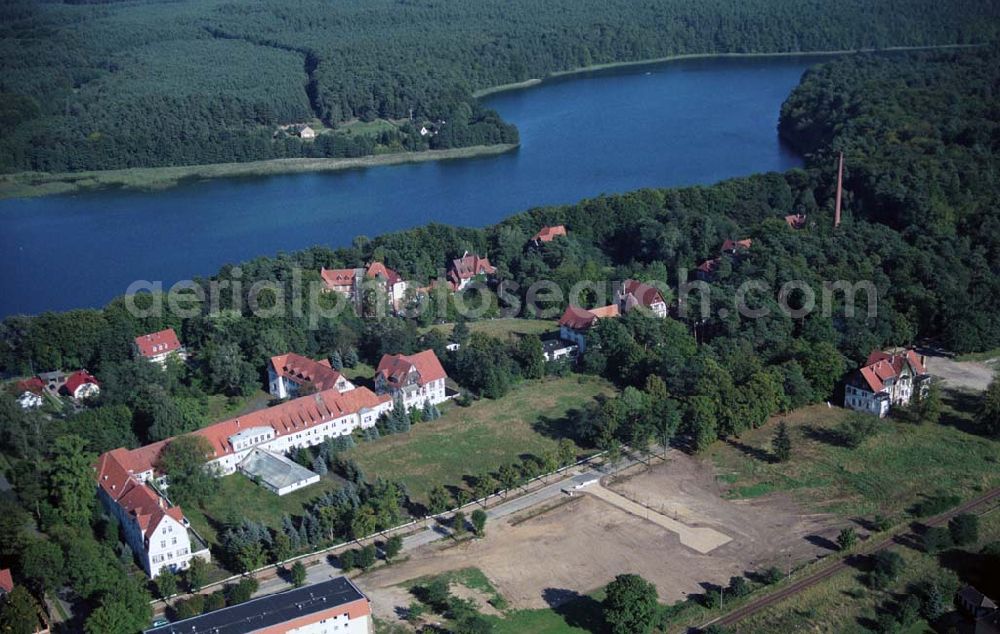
[(825, 436), (963, 406), (753, 452), (576, 609), (973, 568), (559, 427)]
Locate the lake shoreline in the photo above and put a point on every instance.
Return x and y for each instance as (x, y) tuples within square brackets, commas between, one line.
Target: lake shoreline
[(561, 74), (36, 184)]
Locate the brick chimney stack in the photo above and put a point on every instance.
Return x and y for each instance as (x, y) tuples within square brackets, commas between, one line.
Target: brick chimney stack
[(840, 191)]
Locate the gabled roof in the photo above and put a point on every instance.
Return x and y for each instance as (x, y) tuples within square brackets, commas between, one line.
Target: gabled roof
[(157, 343), (974, 598), (379, 270), (548, 234), (78, 379), (394, 368), (641, 293), (882, 366), (116, 470), (709, 266), (796, 221), (289, 417), (734, 245), (469, 266), (338, 277), (35, 385), (577, 318), (6, 580), (302, 370)]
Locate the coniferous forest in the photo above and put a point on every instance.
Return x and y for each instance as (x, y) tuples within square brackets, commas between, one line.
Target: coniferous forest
[(140, 84)]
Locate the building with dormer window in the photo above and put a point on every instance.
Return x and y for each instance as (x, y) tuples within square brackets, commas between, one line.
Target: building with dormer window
[(414, 379)]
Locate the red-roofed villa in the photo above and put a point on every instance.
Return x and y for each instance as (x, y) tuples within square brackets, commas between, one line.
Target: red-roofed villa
[(415, 379), (467, 268), (81, 385), (548, 234), (288, 374), (886, 380), (159, 346), (576, 321)]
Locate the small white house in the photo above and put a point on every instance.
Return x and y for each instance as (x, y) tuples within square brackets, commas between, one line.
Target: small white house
[(886, 380), (414, 379)]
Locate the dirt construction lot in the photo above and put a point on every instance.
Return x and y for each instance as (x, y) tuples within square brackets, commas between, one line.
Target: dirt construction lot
[(969, 375), (581, 544)]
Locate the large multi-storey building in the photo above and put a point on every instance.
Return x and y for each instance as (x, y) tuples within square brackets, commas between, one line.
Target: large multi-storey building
[(414, 379), (352, 283), (886, 380), (156, 529), (335, 606), (288, 374)]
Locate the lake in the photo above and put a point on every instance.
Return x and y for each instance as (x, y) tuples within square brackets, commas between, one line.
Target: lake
[(677, 123)]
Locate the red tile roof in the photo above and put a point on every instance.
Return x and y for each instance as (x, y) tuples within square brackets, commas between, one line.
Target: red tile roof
[(394, 368), (709, 266), (77, 379), (157, 343), (116, 475), (882, 366), (379, 270), (469, 266), (289, 417), (34, 384), (334, 278), (303, 370), (577, 318), (548, 234), (642, 293), (6, 581), (734, 245), (796, 221)]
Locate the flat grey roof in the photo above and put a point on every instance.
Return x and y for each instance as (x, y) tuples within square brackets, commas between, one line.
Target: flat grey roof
[(277, 471), (269, 610)]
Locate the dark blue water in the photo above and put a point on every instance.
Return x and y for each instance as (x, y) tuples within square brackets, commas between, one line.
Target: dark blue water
[(679, 123)]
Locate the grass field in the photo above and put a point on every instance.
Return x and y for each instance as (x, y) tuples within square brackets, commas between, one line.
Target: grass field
[(505, 327), (480, 438), (844, 604), (236, 497), (886, 474)]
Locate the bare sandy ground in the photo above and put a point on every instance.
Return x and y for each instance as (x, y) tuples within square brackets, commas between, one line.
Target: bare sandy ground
[(583, 543), (968, 375)]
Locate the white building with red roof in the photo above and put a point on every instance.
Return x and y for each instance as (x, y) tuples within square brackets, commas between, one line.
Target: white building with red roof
[(576, 322), (125, 476), (635, 294), (156, 531), (415, 379), (289, 374), (160, 346), (81, 385), (352, 283), (886, 380), (467, 268)]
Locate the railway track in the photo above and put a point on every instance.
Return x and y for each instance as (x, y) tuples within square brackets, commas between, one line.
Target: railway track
[(980, 503)]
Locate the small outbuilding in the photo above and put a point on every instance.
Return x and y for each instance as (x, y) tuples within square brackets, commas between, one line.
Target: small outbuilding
[(275, 472)]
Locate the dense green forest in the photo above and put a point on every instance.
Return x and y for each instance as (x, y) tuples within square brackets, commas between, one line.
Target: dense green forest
[(136, 84), (921, 222)]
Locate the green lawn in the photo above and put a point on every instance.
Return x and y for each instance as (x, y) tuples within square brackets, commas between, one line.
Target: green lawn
[(237, 497), (476, 439), (886, 474), (505, 327)]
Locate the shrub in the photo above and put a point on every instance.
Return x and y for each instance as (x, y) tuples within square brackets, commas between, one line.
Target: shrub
[(348, 560), (934, 505), (772, 575), (936, 539), (738, 586), (964, 529), (189, 608), (215, 601), (857, 428), (886, 566), (847, 538)]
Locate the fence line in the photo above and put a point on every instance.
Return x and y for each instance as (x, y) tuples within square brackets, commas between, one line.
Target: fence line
[(429, 519)]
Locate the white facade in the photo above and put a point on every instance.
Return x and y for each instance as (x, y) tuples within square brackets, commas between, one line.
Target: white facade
[(30, 400), (160, 358), (308, 437), (413, 394), (337, 624), (284, 387), (896, 378)]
